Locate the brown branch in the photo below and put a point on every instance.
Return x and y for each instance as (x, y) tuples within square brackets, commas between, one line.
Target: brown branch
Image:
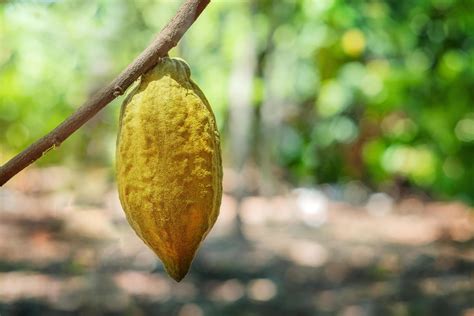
[(166, 39)]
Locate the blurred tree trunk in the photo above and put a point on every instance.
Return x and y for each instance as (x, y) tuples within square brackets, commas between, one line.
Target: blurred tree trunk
[(270, 124), (270, 116), (241, 117)]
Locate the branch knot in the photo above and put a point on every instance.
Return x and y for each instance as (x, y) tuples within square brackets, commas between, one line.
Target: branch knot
[(117, 91)]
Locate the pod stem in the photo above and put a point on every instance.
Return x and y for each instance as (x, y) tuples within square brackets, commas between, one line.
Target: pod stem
[(166, 39)]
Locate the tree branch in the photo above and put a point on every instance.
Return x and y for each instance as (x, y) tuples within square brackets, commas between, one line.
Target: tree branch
[(166, 39)]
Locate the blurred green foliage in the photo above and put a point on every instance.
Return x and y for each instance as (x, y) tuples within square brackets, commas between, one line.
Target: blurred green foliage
[(380, 91)]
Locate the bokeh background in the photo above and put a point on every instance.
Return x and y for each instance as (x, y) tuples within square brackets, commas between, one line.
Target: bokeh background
[(348, 146)]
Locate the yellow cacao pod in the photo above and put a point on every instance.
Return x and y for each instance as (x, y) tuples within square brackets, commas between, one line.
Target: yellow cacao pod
[(169, 171)]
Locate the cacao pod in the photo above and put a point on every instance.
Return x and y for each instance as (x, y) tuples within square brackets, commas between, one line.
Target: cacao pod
[(169, 171)]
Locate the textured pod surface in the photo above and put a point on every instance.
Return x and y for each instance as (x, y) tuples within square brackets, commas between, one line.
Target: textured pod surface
[(169, 170)]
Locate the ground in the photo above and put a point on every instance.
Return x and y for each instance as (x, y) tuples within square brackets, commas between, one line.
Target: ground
[(66, 249)]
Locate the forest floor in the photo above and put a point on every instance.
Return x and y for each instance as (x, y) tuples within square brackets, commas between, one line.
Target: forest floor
[(66, 249)]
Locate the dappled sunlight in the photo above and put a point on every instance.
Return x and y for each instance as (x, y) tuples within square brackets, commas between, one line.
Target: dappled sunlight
[(261, 289), (228, 291)]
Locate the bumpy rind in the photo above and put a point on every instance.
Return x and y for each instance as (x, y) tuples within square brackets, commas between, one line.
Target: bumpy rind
[(169, 169)]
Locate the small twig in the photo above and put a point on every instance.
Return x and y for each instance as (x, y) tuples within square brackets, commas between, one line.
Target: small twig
[(166, 39)]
